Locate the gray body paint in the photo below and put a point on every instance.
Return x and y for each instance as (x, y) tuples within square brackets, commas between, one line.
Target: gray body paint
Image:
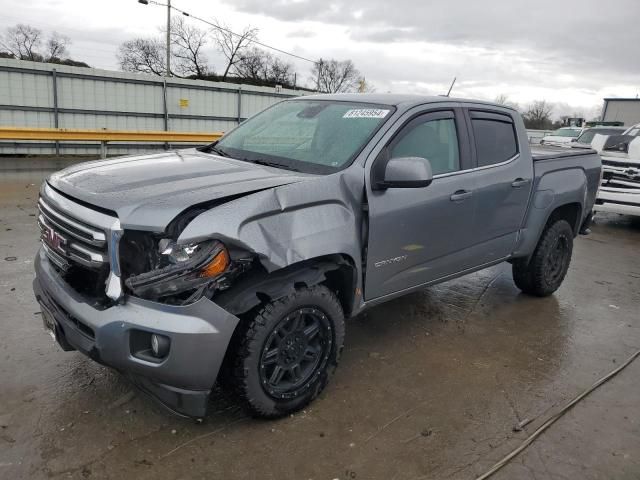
[(395, 241)]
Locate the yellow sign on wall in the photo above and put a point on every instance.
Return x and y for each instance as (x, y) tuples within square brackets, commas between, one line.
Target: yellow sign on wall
[(184, 102)]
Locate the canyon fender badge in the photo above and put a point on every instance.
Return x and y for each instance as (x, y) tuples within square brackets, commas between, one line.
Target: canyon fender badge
[(389, 261)]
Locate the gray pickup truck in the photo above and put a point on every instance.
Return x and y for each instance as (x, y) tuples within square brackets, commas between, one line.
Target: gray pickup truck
[(239, 262)]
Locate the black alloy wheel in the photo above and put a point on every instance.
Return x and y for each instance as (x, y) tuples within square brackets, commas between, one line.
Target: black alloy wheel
[(295, 352), (282, 356)]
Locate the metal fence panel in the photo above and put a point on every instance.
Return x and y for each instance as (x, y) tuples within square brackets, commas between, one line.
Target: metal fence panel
[(111, 122), (78, 93), (21, 117), (254, 103), (20, 88), (192, 125), (185, 101), (46, 95)]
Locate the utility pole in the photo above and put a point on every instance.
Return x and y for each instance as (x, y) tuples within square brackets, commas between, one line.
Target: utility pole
[(168, 5), (168, 38), (319, 72)]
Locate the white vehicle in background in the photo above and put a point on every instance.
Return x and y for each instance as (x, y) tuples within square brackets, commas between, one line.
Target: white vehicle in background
[(561, 136), (620, 188), (589, 133), (633, 131)]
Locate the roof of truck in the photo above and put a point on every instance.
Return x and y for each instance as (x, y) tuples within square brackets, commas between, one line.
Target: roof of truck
[(395, 99)]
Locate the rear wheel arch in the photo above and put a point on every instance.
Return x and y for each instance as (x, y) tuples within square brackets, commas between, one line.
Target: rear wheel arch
[(571, 212)]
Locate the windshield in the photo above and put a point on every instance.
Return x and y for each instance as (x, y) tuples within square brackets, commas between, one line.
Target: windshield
[(305, 135), (566, 132), (587, 135)]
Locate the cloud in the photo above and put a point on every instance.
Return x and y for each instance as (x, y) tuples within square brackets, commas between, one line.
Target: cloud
[(301, 34), (589, 34), (571, 52)]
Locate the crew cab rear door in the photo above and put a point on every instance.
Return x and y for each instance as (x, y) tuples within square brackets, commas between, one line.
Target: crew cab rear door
[(504, 178), (416, 235)]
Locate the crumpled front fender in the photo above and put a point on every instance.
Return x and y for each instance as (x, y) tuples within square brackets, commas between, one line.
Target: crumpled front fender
[(291, 223)]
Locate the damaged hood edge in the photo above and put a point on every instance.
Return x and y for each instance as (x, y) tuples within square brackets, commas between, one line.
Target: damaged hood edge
[(147, 192)]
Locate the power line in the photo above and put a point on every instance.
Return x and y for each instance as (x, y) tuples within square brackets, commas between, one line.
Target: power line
[(218, 27)]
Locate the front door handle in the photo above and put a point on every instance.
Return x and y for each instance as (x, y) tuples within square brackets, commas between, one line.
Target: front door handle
[(460, 195), (519, 182)]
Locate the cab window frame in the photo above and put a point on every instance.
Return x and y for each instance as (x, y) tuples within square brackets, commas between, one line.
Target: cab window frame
[(471, 114), (461, 129)]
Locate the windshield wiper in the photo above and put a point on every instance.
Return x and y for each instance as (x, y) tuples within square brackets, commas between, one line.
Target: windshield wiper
[(217, 150), (268, 163)]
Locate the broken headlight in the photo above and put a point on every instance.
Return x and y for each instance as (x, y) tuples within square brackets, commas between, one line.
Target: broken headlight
[(183, 269)]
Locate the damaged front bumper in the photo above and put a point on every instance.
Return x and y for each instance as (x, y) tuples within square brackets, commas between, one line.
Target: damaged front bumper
[(198, 335)]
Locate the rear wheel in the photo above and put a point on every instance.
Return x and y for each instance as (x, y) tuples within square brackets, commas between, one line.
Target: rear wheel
[(546, 269), (287, 352)]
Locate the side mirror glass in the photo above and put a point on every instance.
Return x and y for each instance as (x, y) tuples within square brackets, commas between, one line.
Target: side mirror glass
[(406, 172)]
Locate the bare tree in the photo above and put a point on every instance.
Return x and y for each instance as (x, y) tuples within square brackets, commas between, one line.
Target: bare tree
[(187, 44), (23, 41), (252, 63), (143, 55), (280, 72), (333, 76), (232, 45), (503, 99), (365, 87), (257, 64), (56, 46), (538, 115)]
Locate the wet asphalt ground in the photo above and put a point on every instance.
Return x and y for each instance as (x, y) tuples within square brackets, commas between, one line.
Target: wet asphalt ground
[(430, 386)]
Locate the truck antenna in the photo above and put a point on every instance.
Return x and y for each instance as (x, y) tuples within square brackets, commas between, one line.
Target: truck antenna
[(452, 83)]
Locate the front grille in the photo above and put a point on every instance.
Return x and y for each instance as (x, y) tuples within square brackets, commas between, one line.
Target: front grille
[(621, 175), (620, 181), (68, 240), (82, 244)]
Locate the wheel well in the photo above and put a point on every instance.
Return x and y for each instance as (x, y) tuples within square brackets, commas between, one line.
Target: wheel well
[(569, 212), (337, 272), (342, 282)]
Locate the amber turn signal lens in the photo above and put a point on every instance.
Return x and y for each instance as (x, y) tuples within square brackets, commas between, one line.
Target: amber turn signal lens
[(217, 266)]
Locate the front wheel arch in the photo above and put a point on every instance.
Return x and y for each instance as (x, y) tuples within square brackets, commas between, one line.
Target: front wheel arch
[(337, 272)]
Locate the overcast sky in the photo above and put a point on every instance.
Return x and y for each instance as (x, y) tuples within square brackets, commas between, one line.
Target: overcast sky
[(571, 53)]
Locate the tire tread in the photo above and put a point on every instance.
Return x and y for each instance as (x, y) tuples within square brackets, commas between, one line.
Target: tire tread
[(238, 374), (530, 277)]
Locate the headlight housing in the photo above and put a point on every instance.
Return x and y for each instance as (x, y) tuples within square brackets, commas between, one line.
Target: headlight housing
[(184, 269)]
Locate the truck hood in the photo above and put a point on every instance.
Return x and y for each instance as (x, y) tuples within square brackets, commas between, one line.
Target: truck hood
[(148, 191)]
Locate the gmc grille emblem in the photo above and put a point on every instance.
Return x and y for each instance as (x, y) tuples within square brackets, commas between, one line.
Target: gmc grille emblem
[(53, 239)]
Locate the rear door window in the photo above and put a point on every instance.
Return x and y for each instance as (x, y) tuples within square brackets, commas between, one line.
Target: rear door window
[(495, 138)]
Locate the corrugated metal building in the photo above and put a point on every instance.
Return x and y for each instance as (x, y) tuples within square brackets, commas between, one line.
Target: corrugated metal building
[(57, 96), (626, 110)]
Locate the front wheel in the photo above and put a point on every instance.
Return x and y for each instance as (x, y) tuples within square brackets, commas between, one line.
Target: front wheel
[(287, 352), (546, 269)]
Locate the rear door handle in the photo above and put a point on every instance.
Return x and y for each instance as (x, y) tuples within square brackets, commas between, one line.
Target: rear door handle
[(519, 182), (460, 195)]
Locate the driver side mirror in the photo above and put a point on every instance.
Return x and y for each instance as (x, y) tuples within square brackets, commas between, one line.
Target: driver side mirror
[(406, 172)]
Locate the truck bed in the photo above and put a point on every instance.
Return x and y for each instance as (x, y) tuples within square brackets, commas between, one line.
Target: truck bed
[(542, 152)]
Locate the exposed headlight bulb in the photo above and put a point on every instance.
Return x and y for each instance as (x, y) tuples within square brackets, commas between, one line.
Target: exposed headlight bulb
[(176, 253)]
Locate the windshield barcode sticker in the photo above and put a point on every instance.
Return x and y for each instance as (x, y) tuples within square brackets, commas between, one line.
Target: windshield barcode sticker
[(366, 113)]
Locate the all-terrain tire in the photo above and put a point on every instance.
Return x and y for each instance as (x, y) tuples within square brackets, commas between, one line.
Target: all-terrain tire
[(245, 369), (546, 269)]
